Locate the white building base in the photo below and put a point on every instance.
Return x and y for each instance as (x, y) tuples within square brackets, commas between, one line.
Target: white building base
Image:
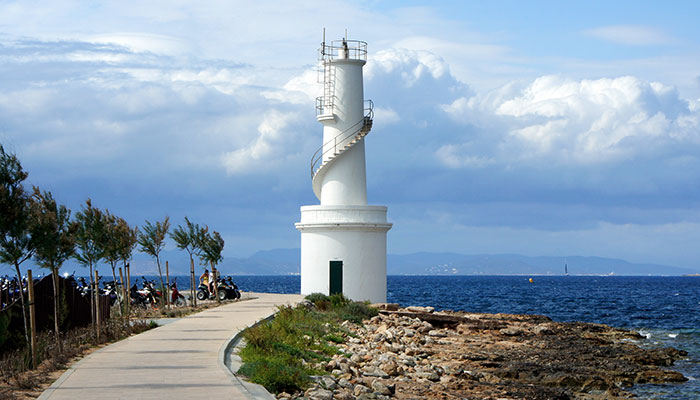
[(353, 235)]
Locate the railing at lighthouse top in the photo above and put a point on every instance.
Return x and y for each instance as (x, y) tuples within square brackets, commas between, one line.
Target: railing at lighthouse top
[(329, 51), (343, 49), (332, 145)]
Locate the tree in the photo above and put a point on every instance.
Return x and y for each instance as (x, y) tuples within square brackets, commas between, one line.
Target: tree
[(187, 238), (152, 241), (111, 244), (211, 247), (89, 239), (16, 242), (127, 240), (54, 235)]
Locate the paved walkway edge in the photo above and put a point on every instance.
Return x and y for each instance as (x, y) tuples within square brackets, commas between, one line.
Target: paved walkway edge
[(57, 383), (227, 359), (230, 361)]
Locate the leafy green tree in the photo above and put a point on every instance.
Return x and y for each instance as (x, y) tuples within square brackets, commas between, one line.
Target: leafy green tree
[(90, 239), (211, 246), (127, 240), (152, 242), (54, 235), (16, 242), (186, 238), (111, 244)]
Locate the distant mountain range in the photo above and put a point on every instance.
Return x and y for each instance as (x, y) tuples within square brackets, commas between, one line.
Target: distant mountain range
[(286, 261)]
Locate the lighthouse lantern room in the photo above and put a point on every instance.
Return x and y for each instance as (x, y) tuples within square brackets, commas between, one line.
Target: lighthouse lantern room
[(343, 240)]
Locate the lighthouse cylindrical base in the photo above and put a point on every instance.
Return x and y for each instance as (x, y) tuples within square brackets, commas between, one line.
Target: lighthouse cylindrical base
[(343, 249)]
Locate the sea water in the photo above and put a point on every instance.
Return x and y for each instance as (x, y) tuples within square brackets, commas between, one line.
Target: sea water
[(666, 310)]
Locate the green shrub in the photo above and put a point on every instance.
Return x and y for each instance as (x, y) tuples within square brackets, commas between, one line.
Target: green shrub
[(356, 312), (280, 353), (276, 375), (316, 297), (331, 337), (338, 300)]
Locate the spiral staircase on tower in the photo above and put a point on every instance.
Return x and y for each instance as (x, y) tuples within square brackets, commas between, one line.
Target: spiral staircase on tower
[(341, 143)]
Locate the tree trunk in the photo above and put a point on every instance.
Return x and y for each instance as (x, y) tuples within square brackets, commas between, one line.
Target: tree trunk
[(193, 289), (216, 285), (54, 272), (21, 299), (92, 298), (114, 276)]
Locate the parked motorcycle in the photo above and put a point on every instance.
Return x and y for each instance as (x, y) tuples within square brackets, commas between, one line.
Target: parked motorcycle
[(232, 291), (176, 298), (203, 292), (149, 290), (138, 298), (110, 290)]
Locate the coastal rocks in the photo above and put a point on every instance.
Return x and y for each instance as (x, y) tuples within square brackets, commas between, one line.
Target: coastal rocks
[(419, 353)]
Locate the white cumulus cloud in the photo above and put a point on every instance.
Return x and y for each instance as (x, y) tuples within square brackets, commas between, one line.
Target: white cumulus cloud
[(272, 144), (561, 120)]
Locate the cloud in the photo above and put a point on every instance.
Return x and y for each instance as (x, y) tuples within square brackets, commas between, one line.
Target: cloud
[(272, 145), (564, 121), (632, 35)]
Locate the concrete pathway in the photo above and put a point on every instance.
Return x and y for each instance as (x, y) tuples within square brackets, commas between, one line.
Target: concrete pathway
[(180, 360)]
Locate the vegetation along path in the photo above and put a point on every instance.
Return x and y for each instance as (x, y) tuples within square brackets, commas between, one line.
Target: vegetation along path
[(177, 360)]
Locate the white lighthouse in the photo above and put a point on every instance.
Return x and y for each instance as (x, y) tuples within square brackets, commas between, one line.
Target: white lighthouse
[(343, 240)]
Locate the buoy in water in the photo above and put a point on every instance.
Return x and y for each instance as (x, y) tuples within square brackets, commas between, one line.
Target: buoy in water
[(531, 281)]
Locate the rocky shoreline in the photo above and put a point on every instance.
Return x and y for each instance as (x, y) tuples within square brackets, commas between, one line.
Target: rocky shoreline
[(417, 353)]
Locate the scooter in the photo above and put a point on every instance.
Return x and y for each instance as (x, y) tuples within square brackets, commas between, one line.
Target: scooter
[(176, 298), (150, 293), (203, 291), (110, 290), (138, 298), (232, 289)]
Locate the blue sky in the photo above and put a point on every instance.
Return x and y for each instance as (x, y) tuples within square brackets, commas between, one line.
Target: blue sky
[(541, 128)]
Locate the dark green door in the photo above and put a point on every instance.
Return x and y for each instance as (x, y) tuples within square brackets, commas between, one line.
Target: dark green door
[(336, 277)]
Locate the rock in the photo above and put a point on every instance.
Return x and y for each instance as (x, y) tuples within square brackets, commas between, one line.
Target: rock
[(542, 329), (359, 389), (436, 333), (385, 306), (343, 395), (381, 388), (367, 396), (308, 305), (319, 394), (374, 371), (489, 378), (328, 382), (429, 375), (390, 368), (331, 365), (418, 309), (284, 395), (378, 337), (659, 376), (345, 383), (512, 331)]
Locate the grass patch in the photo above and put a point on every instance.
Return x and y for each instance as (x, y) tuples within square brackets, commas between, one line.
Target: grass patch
[(282, 353)]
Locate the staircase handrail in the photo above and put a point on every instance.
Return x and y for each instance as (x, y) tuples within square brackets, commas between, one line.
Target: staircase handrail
[(318, 155)]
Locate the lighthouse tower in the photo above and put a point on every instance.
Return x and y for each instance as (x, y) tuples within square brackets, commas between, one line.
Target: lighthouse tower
[(343, 240)]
